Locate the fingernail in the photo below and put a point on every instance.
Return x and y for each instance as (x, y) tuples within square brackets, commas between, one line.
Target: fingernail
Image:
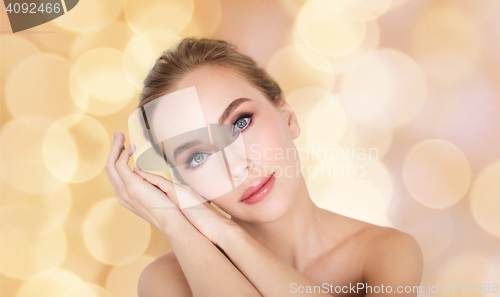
[(132, 147), (115, 135)]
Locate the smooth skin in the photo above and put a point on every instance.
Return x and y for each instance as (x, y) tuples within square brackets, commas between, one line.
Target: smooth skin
[(279, 247)]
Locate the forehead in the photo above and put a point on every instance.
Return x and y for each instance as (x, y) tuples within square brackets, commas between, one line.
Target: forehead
[(217, 87), (198, 100)]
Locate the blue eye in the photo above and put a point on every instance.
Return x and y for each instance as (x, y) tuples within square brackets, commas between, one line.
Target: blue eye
[(241, 124), (197, 159)]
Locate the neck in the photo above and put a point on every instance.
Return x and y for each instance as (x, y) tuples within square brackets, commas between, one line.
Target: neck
[(299, 236)]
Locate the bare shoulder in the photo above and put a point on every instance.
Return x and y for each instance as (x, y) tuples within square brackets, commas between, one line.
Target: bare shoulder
[(388, 256), (386, 242), (379, 242), (392, 257), (163, 277)]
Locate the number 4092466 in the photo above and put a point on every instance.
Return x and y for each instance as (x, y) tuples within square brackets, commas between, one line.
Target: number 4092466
[(471, 288), (31, 8)]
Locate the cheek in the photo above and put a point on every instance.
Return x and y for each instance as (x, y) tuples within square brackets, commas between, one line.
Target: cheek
[(211, 179), (268, 141)]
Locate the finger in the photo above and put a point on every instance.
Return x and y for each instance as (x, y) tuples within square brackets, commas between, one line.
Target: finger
[(164, 184), (124, 171), (203, 204), (114, 152), (116, 148)]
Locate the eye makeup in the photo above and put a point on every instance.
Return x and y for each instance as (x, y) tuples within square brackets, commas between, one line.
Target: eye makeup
[(240, 116), (234, 122), (192, 159)]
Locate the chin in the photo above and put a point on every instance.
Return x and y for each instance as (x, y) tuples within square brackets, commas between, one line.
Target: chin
[(272, 213), (278, 203), (273, 208)]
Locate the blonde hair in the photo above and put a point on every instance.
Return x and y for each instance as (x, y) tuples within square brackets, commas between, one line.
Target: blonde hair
[(192, 53)]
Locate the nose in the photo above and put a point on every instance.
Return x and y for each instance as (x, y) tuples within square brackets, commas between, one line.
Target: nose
[(239, 170), (237, 161)]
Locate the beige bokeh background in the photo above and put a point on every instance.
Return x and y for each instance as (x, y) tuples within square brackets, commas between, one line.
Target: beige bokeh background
[(417, 82)]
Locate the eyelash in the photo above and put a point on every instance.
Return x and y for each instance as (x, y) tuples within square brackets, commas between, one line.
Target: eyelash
[(191, 159), (233, 123), (244, 115)]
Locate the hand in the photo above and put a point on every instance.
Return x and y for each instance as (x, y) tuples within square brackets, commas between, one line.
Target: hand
[(136, 194), (203, 216), (154, 198)]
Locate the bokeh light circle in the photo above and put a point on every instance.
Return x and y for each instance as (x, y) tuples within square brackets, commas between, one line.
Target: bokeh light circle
[(22, 137), (50, 207), (116, 35), (325, 164), (86, 290), (49, 283), (143, 50), (492, 273), (447, 43), (355, 198), (27, 219), (22, 256), (485, 199), (305, 152), (373, 171), (327, 31), (327, 122), (370, 43), (98, 82), (115, 235), (432, 228), (360, 10), (297, 66), (143, 15), (373, 88), (122, 280), (90, 15), (58, 42), (205, 21), (79, 259), (75, 149), (31, 176), (21, 157), (436, 173), (38, 86), (304, 101), (292, 7), (14, 49), (466, 268), (375, 140)]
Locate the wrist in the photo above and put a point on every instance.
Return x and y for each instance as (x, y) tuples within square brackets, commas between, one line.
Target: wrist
[(229, 234), (173, 224)]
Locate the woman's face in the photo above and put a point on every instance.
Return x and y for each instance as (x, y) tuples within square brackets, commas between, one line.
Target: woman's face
[(262, 178)]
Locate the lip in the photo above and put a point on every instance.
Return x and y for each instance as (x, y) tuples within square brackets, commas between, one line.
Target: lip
[(258, 190)]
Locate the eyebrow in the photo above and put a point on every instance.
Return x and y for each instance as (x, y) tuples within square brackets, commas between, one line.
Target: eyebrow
[(184, 147), (227, 112), (231, 107)]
